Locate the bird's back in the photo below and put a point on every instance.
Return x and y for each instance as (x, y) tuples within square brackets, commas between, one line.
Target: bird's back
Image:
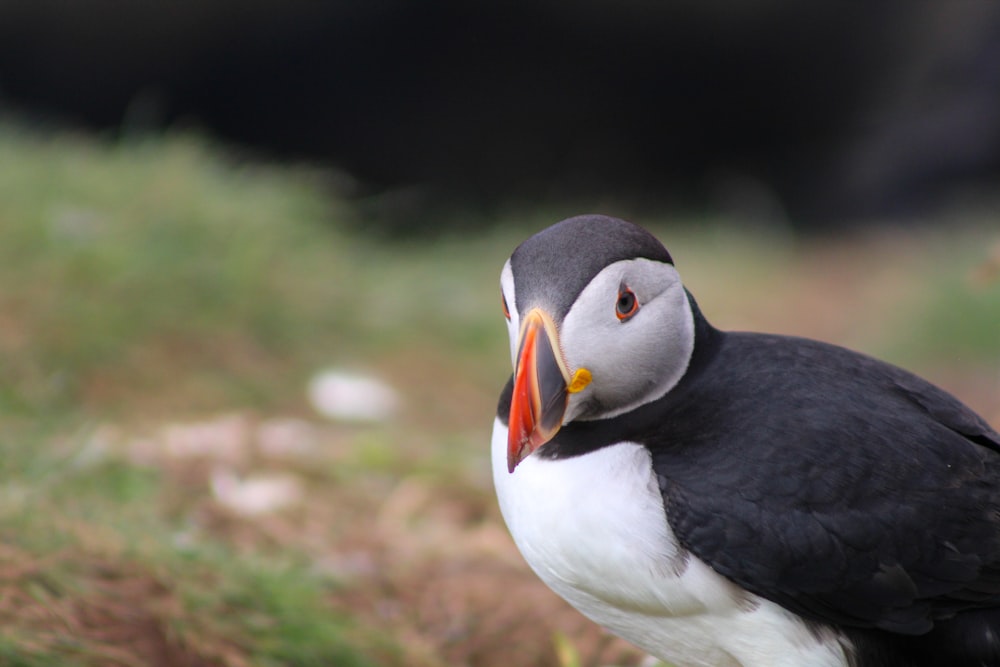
[(845, 489)]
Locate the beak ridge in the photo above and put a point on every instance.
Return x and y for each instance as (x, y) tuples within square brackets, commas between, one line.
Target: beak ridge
[(541, 388)]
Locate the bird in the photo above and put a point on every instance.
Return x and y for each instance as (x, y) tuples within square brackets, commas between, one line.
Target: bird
[(735, 499)]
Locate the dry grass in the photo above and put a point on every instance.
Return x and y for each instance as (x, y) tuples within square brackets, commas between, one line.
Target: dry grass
[(107, 611), (419, 557)]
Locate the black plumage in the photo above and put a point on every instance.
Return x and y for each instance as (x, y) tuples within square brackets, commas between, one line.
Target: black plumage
[(845, 489)]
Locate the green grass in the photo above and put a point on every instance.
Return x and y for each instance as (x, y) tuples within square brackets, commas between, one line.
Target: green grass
[(128, 267), (958, 321), (94, 523), (139, 280), (153, 281), (159, 281), (108, 255)]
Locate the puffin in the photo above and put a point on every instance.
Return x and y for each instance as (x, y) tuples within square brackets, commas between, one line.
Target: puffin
[(735, 499)]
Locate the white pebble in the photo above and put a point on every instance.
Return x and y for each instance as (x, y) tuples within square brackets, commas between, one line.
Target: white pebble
[(339, 395)]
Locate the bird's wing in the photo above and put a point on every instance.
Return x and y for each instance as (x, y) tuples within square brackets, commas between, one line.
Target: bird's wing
[(845, 489)]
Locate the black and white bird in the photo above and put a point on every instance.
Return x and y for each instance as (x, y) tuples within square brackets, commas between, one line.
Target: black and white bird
[(728, 499)]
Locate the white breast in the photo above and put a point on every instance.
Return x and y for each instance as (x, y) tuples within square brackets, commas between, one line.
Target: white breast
[(593, 528)]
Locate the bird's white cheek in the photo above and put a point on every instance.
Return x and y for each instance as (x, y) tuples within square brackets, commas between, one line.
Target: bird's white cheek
[(631, 363), (579, 349), (573, 406)]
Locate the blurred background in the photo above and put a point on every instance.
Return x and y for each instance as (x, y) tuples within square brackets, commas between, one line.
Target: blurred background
[(817, 114), (250, 335)]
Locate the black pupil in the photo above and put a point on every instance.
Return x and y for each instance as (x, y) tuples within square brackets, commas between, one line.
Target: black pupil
[(626, 301)]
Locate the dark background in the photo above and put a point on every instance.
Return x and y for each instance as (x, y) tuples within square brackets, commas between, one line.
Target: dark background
[(816, 112)]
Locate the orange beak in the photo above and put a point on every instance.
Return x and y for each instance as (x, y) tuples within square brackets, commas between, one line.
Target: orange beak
[(542, 385)]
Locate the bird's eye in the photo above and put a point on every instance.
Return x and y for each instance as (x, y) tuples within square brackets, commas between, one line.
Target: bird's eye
[(506, 311), (627, 305)]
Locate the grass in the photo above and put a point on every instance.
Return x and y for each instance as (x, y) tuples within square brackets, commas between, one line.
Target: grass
[(141, 280), (160, 289), (118, 261)]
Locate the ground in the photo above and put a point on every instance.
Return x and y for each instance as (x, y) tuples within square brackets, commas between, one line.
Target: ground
[(163, 308)]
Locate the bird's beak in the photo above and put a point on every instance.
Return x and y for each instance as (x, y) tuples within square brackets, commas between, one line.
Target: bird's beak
[(542, 385)]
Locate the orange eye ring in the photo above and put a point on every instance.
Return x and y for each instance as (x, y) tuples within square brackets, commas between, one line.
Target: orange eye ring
[(627, 304), (506, 311)]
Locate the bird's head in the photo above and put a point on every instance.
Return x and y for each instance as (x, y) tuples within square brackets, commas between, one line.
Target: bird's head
[(599, 324)]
